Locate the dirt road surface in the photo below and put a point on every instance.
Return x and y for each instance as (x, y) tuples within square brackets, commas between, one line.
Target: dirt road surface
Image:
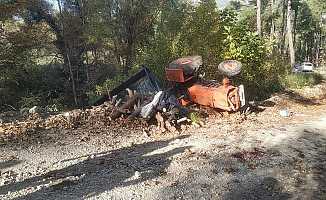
[(258, 156)]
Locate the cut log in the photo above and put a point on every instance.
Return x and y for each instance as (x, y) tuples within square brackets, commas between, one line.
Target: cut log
[(129, 104), (160, 122), (130, 92), (114, 99), (169, 126), (118, 103), (134, 114)]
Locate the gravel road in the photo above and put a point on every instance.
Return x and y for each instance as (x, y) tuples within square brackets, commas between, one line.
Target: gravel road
[(284, 159)]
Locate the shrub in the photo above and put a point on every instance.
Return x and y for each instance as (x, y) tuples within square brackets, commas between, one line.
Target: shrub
[(30, 101), (109, 84)]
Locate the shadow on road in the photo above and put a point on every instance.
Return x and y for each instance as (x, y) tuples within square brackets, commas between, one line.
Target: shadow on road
[(9, 163), (297, 98), (99, 173), (293, 169), (313, 153), (268, 188)]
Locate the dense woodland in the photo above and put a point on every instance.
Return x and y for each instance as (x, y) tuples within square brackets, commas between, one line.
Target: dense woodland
[(65, 53)]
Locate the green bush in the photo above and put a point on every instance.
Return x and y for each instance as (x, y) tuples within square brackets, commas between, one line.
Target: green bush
[(33, 85), (92, 97), (30, 101), (109, 84)]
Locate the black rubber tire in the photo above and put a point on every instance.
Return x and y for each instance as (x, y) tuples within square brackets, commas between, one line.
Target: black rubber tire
[(189, 64), (230, 68)]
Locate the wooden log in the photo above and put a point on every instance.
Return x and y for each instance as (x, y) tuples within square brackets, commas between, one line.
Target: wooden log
[(169, 126), (116, 113), (134, 114), (130, 92), (160, 122)]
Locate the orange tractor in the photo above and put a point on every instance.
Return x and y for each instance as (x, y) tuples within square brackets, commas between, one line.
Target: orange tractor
[(183, 75)]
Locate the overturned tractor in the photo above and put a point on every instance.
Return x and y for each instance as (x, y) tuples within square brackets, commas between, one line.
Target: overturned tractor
[(141, 94), (183, 76)]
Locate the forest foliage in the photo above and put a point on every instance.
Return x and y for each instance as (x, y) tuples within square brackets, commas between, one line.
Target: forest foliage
[(64, 53)]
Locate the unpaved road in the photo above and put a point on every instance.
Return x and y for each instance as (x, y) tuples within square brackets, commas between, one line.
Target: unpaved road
[(285, 160)]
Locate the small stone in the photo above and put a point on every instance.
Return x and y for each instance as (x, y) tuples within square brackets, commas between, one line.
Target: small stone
[(137, 174), (34, 110), (82, 176), (66, 114), (284, 113), (18, 178), (183, 127)]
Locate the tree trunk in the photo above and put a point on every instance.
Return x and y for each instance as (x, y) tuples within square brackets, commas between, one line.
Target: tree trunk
[(259, 17), (295, 28), (306, 50), (283, 29), (129, 59), (299, 49), (289, 34), (72, 80), (68, 57), (318, 48), (272, 20)]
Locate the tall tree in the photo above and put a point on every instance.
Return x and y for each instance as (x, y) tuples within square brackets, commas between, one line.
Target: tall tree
[(67, 56), (272, 19), (68, 30), (289, 33), (259, 17), (131, 23)]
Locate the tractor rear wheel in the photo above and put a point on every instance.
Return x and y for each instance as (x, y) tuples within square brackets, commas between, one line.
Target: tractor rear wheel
[(230, 68)]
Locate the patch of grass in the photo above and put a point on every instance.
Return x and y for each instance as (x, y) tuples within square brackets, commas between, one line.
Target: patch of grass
[(300, 80), (194, 117)]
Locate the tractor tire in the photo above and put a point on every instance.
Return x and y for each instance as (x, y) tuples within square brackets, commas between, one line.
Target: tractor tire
[(189, 64), (230, 68)]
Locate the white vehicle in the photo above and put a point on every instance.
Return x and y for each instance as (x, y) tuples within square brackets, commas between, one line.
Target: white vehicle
[(307, 67)]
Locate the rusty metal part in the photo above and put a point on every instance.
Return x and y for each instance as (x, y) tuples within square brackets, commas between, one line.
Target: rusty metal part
[(222, 97), (189, 64), (176, 75), (226, 82)]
